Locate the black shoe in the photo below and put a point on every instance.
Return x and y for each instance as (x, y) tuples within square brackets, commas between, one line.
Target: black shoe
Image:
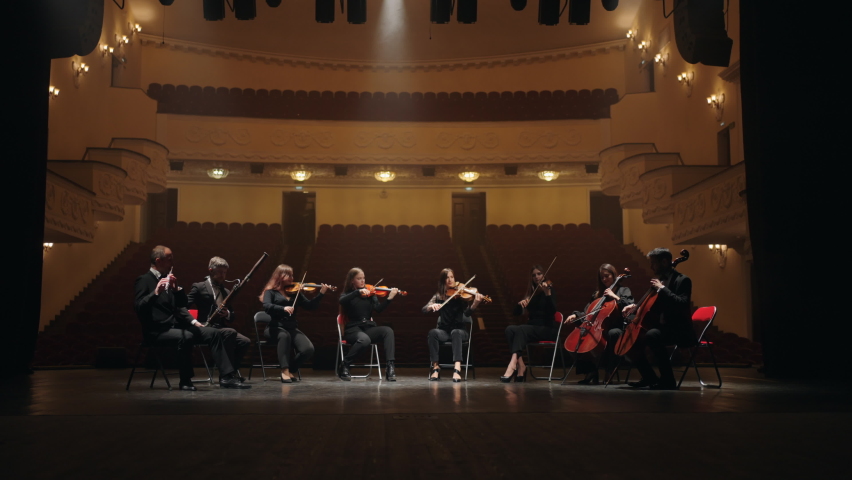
[(509, 378), (664, 386), (457, 380), (344, 372), (432, 371), (297, 376), (391, 373), (521, 378), (641, 383), (188, 387), (231, 381), (286, 380), (591, 379)]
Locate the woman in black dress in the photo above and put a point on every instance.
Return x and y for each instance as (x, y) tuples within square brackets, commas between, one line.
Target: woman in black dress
[(451, 320), (284, 326), (540, 305), (358, 305), (611, 325)]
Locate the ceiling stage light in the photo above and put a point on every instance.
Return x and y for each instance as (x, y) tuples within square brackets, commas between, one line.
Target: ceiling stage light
[(519, 5), (324, 11), (579, 12), (548, 12), (466, 11), (214, 10), (609, 5), (273, 3), (440, 11), (245, 9), (356, 11)]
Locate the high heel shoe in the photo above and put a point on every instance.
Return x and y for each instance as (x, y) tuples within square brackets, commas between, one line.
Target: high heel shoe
[(457, 380), (432, 371), (289, 380), (591, 379), (509, 378), (521, 378)]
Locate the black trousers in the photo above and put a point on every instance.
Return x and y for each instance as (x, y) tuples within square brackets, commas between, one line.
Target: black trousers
[(241, 346), (656, 340), (437, 336), (359, 339), (288, 340), (519, 336), (186, 339)]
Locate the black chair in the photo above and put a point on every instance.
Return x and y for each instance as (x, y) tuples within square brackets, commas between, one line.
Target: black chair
[(338, 356), (557, 317), (155, 350), (466, 364)]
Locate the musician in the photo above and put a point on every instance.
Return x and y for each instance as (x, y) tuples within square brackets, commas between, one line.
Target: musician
[(623, 297), (674, 292), (160, 305), (206, 296), (540, 305), (284, 327), (357, 305), (451, 322)]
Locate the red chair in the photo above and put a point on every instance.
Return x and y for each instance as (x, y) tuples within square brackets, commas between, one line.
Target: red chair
[(701, 321), (338, 356), (557, 317)]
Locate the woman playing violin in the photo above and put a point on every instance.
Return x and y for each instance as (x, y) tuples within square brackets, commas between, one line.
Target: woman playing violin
[(279, 304), (358, 303), (623, 297), (540, 305), (451, 320)]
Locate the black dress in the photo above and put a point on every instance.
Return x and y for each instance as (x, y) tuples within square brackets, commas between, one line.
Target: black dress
[(540, 324)]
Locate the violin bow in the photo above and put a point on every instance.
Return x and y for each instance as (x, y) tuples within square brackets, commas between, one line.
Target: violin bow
[(545, 276), (296, 300), (457, 292)]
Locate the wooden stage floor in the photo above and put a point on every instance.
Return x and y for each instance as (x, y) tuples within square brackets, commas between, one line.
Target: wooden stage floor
[(83, 424)]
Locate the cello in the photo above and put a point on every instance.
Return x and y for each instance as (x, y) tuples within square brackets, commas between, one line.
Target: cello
[(639, 323), (589, 334)]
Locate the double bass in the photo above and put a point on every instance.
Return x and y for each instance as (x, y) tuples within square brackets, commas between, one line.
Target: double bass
[(589, 334), (640, 321)]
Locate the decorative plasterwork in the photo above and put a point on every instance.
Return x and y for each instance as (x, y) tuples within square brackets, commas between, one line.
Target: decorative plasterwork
[(385, 140), (135, 164), (732, 73), (549, 139), (632, 168), (428, 66), (611, 157), (218, 136), (104, 180), (712, 211), (467, 141), (68, 215), (157, 153), (575, 157), (660, 184), (302, 138)]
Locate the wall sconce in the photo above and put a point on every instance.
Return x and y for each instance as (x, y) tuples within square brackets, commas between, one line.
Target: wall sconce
[(717, 102), (469, 176), (47, 246), (385, 175), (218, 173), (52, 91), (686, 79), (79, 69), (300, 175), (661, 59), (106, 50), (548, 175), (631, 34), (134, 28), (643, 45), (721, 252)]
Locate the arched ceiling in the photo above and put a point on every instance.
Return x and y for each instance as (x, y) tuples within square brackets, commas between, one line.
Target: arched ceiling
[(396, 30)]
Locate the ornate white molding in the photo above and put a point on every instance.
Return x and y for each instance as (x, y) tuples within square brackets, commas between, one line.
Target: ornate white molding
[(549, 139), (712, 211), (158, 154), (302, 138), (611, 157), (68, 215), (577, 157), (385, 140), (467, 141), (658, 186), (254, 56), (732, 73), (218, 136), (632, 168), (105, 181), (135, 164)]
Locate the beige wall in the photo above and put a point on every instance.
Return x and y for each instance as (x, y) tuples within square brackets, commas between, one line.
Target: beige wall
[(69, 267), (228, 203), (542, 205)]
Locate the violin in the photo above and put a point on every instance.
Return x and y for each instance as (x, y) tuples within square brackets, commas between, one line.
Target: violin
[(306, 287), (590, 333), (634, 327), (381, 291), (466, 293)]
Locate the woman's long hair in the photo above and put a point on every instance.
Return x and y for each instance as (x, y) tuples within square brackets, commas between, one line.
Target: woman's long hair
[(532, 286), (601, 287), (347, 284), (274, 282), (442, 282)]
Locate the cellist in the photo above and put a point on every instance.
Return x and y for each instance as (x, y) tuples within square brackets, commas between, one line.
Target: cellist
[(674, 293), (601, 356)]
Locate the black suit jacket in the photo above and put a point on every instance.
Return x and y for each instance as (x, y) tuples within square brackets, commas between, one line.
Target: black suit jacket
[(159, 313), (201, 298), (673, 307)]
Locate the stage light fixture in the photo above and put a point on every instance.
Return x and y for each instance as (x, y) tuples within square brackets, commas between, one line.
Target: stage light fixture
[(518, 5), (609, 5), (256, 168), (324, 11), (166, 3), (428, 171), (340, 170), (548, 12), (214, 10), (245, 9), (579, 12), (273, 3), (466, 11), (440, 11), (356, 11)]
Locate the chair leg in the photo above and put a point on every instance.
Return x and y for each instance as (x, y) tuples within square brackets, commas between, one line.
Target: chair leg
[(690, 363), (133, 370), (262, 364), (378, 362), (160, 365), (615, 372), (718, 375), (206, 366)]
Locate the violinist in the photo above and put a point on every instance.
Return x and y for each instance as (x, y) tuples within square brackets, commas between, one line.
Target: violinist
[(357, 303), (540, 305), (674, 292), (451, 320), (623, 297), (284, 327)]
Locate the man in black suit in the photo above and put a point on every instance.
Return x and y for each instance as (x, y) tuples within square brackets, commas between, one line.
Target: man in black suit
[(672, 307), (206, 296), (160, 305)]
